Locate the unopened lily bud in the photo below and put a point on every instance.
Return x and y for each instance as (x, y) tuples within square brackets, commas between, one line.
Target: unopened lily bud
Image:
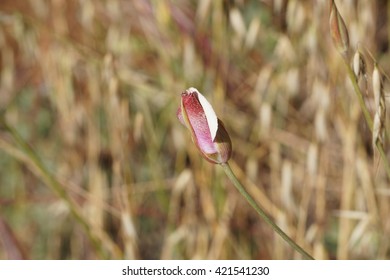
[(207, 131), (338, 30)]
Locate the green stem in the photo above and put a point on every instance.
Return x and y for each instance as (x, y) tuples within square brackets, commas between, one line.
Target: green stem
[(263, 215)]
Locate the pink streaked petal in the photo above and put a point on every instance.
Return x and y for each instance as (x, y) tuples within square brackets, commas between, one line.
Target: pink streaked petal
[(192, 111), (211, 117)]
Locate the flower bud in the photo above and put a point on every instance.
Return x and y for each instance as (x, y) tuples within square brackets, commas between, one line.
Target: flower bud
[(338, 30), (207, 131)]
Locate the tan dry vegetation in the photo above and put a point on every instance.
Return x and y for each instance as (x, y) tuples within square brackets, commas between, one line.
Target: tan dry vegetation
[(92, 88)]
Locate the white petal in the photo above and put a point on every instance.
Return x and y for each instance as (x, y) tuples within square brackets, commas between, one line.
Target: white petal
[(211, 117)]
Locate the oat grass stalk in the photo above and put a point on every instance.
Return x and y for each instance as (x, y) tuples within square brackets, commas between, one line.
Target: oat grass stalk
[(367, 115), (229, 172), (56, 186)]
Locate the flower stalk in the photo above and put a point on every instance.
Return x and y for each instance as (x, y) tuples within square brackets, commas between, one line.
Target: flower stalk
[(226, 167)]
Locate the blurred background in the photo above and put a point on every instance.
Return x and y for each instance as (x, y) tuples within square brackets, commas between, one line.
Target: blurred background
[(95, 165)]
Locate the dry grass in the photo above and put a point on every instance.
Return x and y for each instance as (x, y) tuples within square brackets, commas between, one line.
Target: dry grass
[(93, 87)]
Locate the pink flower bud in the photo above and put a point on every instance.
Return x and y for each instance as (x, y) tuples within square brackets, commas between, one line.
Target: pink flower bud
[(207, 131)]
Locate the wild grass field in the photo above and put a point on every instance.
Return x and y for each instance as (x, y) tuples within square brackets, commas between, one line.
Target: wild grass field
[(95, 165)]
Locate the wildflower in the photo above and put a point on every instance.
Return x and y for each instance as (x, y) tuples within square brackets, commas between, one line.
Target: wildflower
[(207, 131)]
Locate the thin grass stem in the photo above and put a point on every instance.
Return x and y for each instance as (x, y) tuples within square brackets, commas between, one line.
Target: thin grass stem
[(49, 179), (359, 95)]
